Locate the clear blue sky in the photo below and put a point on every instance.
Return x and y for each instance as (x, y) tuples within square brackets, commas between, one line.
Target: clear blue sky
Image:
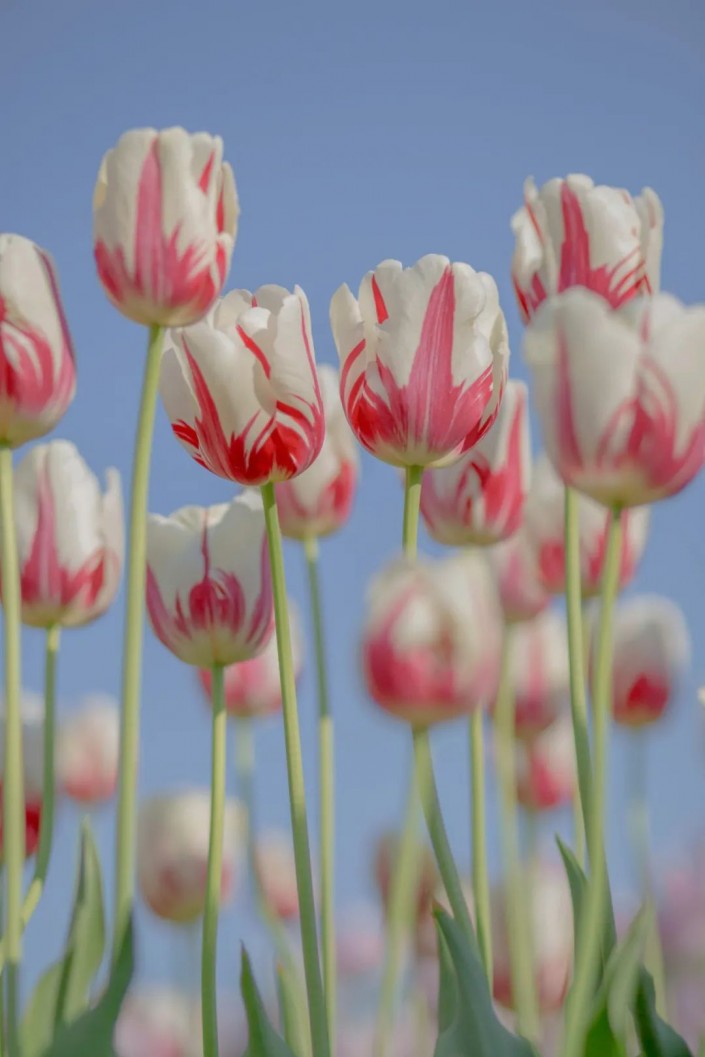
[(356, 132)]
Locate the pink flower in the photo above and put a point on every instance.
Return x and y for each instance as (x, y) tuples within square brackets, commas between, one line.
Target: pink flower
[(544, 520), (70, 537), (241, 387), (276, 872), (359, 941), (546, 766), (516, 569), (37, 368), (32, 768), (156, 1023), (431, 642), (172, 853), (319, 500), (572, 233), (88, 750), (540, 672), (620, 394), (165, 216), (480, 498), (423, 355), (209, 595)]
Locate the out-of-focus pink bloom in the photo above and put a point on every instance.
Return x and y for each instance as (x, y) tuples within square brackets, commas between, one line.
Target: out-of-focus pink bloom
[(551, 922), (157, 1023), (620, 394), (70, 537), (276, 873), (37, 368), (253, 688), (651, 652), (516, 570), (423, 353), (540, 672), (682, 926), (88, 750), (432, 638), (209, 594), (32, 767), (572, 233), (172, 853), (480, 498), (544, 520), (359, 941), (165, 214), (241, 388), (546, 767), (384, 859)]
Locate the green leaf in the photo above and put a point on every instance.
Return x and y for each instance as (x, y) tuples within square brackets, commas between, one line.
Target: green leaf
[(616, 995), (263, 1039), (292, 1013), (578, 890), (657, 1038), (471, 1027)]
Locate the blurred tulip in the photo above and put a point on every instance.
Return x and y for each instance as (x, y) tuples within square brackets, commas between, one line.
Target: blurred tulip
[(359, 941), (432, 638), (165, 214), (70, 537), (551, 921), (572, 233), (546, 767), (516, 569), (88, 750), (480, 498), (32, 764), (620, 394), (651, 652), (540, 672), (386, 851), (424, 353), (276, 873), (682, 916), (37, 368), (253, 688), (241, 387), (318, 501), (156, 1023), (209, 595), (545, 523), (172, 853)]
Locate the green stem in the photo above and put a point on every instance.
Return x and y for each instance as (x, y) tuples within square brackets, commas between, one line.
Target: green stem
[(297, 794), (412, 506), (215, 867), (596, 907), (519, 936), (480, 872), (13, 782), (326, 791), (132, 642)]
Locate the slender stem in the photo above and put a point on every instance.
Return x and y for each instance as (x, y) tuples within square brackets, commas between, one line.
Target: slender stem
[(515, 902), (412, 506), (13, 782), (297, 792), (326, 791), (596, 906), (2, 982), (132, 642), (480, 872), (215, 867)]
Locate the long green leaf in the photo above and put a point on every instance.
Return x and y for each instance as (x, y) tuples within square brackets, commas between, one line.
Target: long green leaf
[(657, 1038), (292, 1014), (616, 996), (263, 1039)]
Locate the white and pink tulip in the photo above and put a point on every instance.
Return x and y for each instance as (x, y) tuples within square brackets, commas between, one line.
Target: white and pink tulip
[(88, 750), (519, 583), (546, 767), (538, 659), (32, 768)]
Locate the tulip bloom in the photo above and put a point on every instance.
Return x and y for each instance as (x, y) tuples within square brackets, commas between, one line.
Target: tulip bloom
[(276, 874), (480, 498), (546, 767), (70, 537), (241, 388), (88, 749), (318, 501), (620, 394), (516, 570), (209, 596), (545, 524), (32, 766), (156, 1023), (572, 233), (539, 671), (37, 368), (172, 853), (432, 639), (165, 214), (359, 942), (423, 353), (651, 653)]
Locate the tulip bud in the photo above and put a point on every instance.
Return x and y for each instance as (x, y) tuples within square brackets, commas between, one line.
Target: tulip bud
[(276, 873), (88, 751), (165, 214), (516, 571), (423, 354), (546, 767), (539, 671), (32, 767), (37, 368)]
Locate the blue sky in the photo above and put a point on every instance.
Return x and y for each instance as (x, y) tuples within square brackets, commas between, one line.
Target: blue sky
[(357, 132)]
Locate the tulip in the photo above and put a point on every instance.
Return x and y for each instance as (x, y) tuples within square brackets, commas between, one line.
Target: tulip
[(545, 525), (276, 873), (423, 353), (241, 388), (539, 672), (516, 569), (620, 394), (546, 767), (571, 233), (208, 582), (32, 767), (480, 498), (88, 750), (432, 640), (70, 537), (172, 853), (359, 942), (165, 214), (318, 501), (155, 1023)]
